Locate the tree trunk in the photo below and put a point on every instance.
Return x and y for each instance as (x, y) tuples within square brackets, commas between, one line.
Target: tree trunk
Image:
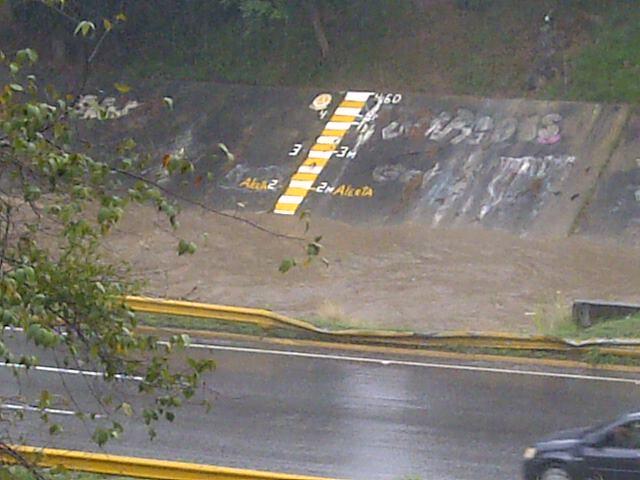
[(318, 27), (6, 15)]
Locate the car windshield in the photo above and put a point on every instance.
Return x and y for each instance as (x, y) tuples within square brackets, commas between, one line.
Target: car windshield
[(601, 425)]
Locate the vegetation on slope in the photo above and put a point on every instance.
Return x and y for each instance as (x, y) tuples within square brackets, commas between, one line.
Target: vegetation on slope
[(571, 49)]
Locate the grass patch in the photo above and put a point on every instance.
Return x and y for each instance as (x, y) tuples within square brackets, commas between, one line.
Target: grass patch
[(627, 327), (607, 68), (216, 325), (554, 319), (16, 472), (475, 47), (552, 314), (331, 316), (487, 49), (95, 476)]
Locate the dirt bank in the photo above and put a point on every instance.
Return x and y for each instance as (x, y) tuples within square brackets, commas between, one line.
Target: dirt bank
[(405, 276)]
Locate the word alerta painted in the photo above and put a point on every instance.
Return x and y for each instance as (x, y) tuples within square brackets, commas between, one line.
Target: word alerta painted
[(342, 190)]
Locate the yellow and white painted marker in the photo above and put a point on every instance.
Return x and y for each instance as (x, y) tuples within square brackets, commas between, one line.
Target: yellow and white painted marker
[(324, 147)]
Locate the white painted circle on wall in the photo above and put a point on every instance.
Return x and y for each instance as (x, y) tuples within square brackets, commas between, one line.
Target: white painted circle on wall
[(321, 102)]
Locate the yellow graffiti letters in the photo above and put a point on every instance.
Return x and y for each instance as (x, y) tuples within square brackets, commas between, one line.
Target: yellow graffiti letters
[(251, 183), (345, 190)]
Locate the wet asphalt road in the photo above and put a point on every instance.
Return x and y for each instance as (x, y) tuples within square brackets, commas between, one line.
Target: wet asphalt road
[(349, 418)]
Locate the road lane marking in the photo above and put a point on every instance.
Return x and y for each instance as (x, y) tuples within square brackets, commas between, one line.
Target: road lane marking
[(406, 363), (69, 371), (51, 411)]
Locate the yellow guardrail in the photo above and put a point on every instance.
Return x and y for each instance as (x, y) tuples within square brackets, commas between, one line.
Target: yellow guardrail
[(494, 340), (140, 467), (257, 316)]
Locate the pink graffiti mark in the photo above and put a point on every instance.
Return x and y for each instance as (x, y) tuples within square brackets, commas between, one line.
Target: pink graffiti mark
[(552, 140)]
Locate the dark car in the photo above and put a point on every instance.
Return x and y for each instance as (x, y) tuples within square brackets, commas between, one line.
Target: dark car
[(608, 452)]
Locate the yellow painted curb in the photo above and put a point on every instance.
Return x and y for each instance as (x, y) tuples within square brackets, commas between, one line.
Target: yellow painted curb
[(141, 467)]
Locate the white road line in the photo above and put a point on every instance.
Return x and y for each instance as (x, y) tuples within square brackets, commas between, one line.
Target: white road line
[(347, 358), (404, 363), (69, 371), (52, 411)]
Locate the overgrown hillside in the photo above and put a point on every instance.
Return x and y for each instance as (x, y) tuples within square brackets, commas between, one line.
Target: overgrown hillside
[(572, 49)]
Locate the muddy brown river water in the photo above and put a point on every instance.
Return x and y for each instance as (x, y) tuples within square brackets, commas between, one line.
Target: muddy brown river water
[(401, 276)]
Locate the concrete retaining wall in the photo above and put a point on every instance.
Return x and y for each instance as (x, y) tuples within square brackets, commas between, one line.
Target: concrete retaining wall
[(615, 207), (525, 166)]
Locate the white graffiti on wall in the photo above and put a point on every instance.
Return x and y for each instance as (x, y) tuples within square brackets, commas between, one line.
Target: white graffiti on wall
[(389, 98), (367, 126), (514, 174), (89, 106), (393, 130), (454, 187), (465, 126), (394, 172)]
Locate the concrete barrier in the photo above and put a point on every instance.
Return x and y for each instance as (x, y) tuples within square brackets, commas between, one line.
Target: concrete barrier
[(587, 312)]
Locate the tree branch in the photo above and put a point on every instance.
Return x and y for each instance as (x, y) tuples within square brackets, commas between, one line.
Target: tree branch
[(6, 450), (318, 27), (205, 207), (5, 237), (61, 12), (89, 57)]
